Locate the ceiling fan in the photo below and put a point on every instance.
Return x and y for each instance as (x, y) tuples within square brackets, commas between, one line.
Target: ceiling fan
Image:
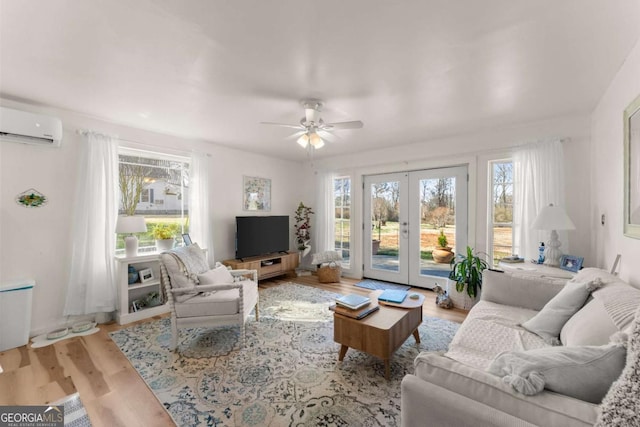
[(312, 127)]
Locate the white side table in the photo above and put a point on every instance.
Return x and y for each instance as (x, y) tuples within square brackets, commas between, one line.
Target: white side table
[(539, 270)]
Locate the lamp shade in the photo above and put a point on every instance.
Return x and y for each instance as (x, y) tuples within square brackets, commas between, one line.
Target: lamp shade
[(303, 140), (553, 218), (130, 224), (316, 141)]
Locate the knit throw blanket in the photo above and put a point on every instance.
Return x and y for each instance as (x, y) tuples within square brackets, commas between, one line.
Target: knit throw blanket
[(621, 405), (191, 260)]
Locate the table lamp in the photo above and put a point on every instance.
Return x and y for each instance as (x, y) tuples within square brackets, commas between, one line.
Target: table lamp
[(128, 225), (553, 218)]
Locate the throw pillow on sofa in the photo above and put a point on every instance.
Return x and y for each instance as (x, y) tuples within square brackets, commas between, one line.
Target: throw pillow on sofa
[(183, 265), (591, 325), (549, 321), (585, 373), (621, 302), (215, 276)]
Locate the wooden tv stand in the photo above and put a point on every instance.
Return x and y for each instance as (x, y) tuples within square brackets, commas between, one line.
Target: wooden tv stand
[(268, 266)]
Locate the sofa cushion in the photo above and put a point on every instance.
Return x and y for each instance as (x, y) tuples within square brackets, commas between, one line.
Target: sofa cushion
[(215, 276), (549, 321), (585, 373), (489, 330), (422, 399), (519, 290), (223, 302), (544, 409), (591, 325)]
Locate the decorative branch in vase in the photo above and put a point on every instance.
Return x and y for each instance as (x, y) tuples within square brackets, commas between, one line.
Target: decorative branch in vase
[(303, 228)]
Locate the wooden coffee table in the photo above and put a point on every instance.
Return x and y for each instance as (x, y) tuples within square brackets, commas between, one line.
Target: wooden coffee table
[(380, 333)]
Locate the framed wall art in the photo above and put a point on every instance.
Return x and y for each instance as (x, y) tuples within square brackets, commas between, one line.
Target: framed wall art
[(256, 194), (632, 169)]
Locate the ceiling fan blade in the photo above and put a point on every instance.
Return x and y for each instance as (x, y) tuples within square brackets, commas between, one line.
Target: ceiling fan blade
[(282, 124), (356, 124), (328, 136), (296, 135)]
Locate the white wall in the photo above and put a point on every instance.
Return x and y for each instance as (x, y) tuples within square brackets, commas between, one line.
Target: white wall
[(476, 150), (36, 243), (288, 188), (607, 166)]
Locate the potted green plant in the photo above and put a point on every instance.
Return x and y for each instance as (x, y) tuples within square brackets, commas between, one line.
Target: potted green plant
[(466, 271), (442, 253), (442, 239), (164, 234), (152, 299), (303, 228)]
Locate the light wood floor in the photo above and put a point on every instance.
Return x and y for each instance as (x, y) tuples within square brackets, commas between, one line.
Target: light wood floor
[(110, 388)]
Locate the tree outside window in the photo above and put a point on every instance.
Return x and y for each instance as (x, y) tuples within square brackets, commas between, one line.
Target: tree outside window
[(501, 221), (153, 185), (342, 220)]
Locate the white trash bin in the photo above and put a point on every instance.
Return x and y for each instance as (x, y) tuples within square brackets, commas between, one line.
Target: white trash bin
[(15, 312)]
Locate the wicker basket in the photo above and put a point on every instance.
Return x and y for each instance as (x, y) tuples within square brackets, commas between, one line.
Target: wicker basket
[(329, 273)]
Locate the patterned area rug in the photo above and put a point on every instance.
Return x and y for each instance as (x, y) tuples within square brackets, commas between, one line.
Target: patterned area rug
[(380, 285), (75, 415), (286, 374)]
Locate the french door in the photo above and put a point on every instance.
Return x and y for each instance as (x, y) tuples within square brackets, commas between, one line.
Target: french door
[(404, 214)]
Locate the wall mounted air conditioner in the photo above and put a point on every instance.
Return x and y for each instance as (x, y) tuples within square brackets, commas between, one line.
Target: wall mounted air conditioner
[(29, 128)]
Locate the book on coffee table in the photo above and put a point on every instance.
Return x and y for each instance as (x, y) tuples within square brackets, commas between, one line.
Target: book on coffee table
[(355, 314), (353, 301), (392, 295)]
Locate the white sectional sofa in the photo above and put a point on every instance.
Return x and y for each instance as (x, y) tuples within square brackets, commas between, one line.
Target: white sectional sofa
[(454, 388)]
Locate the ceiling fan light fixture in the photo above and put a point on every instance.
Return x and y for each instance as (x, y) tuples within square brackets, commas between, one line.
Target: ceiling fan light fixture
[(316, 141), (311, 126), (303, 140)]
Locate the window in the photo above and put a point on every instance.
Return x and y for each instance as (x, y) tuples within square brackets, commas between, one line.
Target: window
[(153, 185), (342, 224), (501, 205), (147, 195)]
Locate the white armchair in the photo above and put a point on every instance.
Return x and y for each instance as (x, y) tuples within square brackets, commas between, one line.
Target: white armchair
[(208, 305)]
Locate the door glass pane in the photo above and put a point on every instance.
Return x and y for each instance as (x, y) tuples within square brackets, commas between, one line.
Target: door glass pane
[(385, 232), (342, 224), (437, 219), (502, 210)]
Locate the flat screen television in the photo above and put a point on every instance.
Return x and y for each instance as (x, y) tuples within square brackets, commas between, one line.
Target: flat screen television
[(261, 235)]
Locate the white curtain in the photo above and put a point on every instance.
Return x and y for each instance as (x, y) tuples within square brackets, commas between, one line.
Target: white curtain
[(92, 282), (325, 212), (200, 228), (538, 181)]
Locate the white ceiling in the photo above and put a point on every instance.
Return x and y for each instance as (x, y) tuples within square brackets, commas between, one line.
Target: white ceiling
[(410, 70)]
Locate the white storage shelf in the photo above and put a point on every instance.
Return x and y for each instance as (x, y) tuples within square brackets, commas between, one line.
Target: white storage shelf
[(128, 294)]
